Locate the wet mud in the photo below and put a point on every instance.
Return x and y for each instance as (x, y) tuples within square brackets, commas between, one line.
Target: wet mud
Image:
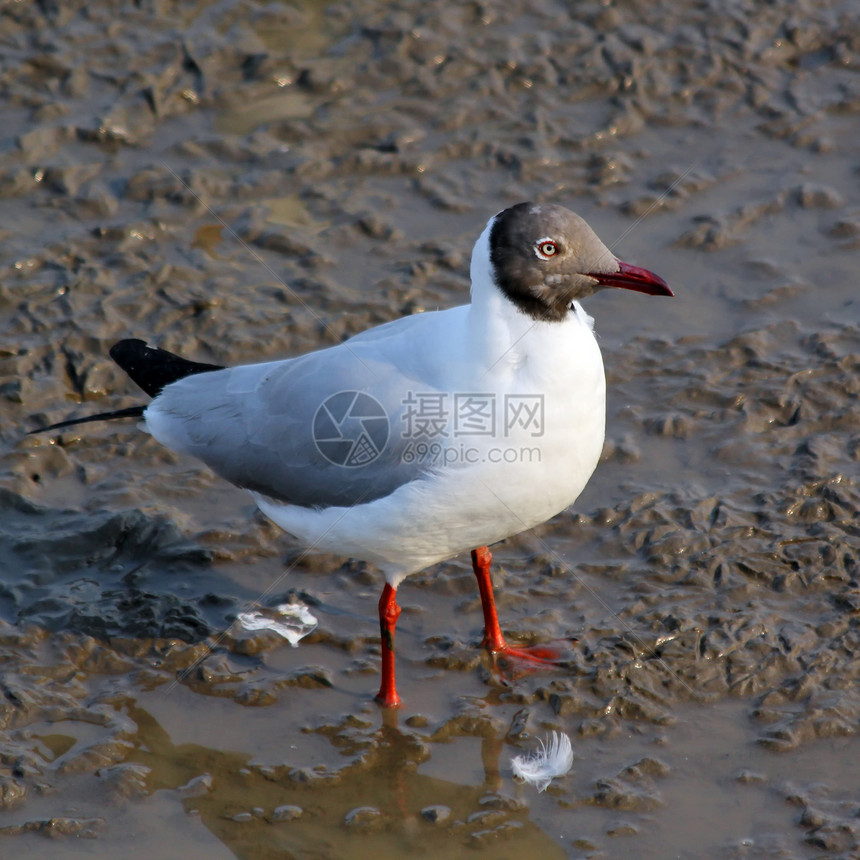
[(239, 181)]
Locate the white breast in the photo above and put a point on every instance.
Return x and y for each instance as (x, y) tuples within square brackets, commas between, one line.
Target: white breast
[(492, 486)]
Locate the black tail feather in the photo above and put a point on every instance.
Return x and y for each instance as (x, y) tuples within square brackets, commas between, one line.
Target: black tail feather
[(151, 368), (129, 412)]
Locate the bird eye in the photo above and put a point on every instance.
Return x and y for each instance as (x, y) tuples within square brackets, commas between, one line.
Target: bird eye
[(546, 248)]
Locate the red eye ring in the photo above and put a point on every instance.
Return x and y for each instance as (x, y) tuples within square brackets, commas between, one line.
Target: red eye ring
[(546, 248)]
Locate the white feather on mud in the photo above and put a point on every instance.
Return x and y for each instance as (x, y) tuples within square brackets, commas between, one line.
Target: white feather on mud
[(554, 758)]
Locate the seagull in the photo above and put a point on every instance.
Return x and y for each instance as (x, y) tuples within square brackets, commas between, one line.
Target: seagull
[(429, 436)]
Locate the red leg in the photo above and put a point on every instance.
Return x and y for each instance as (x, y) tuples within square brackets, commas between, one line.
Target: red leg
[(494, 642), (481, 560), (389, 612)]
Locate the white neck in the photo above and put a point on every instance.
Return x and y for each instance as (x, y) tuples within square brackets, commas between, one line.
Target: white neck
[(495, 323)]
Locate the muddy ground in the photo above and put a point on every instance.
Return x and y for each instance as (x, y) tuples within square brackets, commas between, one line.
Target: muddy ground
[(238, 180)]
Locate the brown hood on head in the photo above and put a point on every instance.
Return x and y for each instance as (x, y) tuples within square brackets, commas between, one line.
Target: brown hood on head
[(544, 257)]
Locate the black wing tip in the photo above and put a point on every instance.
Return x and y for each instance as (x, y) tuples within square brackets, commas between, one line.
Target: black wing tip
[(130, 347), (152, 368), (128, 412), (148, 367)]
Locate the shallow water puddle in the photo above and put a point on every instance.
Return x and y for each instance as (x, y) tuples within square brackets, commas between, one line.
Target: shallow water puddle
[(701, 786)]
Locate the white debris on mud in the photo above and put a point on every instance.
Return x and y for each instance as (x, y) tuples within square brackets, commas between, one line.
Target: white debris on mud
[(293, 621)]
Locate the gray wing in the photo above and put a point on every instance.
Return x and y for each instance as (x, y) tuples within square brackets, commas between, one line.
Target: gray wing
[(334, 427)]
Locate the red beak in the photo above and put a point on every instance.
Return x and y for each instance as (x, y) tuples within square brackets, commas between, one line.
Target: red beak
[(633, 278)]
